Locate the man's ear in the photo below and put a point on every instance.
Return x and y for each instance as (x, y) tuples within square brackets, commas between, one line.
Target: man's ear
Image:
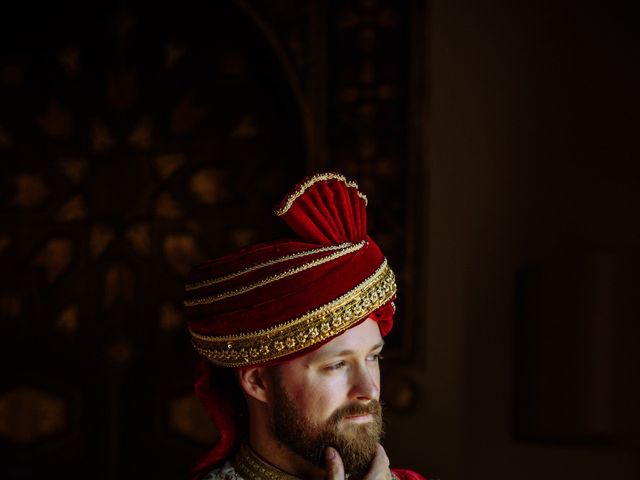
[(253, 382)]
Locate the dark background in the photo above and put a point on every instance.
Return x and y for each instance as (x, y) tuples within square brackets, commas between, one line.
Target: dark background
[(138, 139), (497, 143)]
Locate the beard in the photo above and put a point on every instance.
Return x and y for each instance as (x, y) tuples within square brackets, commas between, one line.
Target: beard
[(356, 443)]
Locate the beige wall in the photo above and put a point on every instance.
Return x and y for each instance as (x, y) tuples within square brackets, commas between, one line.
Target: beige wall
[(531, 150)]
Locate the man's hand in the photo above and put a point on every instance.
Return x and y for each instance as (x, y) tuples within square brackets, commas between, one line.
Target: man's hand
[(378, 470)]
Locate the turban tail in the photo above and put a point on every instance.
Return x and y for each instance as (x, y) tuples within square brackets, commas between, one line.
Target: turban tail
[(275, 301)]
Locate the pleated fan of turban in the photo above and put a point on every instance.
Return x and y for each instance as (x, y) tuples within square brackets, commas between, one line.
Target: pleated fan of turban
[(275, 301)]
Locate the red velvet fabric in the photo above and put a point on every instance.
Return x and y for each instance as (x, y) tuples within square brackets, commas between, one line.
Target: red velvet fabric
[(281, 300), (329, 212), (403, 474), (217, 390), (326, 214)]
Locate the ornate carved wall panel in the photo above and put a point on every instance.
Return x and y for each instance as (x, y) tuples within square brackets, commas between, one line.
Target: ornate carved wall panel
[(137, 140)]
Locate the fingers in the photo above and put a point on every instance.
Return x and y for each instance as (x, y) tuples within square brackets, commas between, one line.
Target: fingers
[(379, 469), (335, 468)]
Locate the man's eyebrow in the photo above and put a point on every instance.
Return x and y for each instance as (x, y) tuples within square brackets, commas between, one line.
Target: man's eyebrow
[(350, 352)]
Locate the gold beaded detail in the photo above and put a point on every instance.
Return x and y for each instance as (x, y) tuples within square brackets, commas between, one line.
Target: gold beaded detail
[(251, 467), (315, 179), (313, 327), (207, 283), (287, 273)]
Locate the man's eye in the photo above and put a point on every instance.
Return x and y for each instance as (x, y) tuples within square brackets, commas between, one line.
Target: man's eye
[(336, 366), (376, 357)]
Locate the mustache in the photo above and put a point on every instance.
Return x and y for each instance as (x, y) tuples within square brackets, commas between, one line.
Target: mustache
[(372, 407)]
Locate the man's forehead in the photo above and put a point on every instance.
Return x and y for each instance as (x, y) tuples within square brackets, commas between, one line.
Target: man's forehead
[(363, 337)]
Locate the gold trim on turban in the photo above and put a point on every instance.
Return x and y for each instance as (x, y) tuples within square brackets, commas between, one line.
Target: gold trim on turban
[(354, 247), (207, 283), (300, 333), (315, 179)]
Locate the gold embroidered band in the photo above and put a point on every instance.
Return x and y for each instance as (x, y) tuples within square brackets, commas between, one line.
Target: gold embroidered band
[(207, 283), (315, 179), (251, 467), (287, 273), (315, 326)]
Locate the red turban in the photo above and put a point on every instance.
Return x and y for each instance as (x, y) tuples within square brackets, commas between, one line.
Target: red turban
[(275, 301)]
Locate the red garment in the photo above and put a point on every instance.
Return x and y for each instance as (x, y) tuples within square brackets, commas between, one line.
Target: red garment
[(403, 474)]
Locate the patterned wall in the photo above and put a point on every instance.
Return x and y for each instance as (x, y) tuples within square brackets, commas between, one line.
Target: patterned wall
[(138, 141)]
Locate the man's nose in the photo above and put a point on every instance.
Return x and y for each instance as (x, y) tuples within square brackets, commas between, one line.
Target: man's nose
[(366, 384)]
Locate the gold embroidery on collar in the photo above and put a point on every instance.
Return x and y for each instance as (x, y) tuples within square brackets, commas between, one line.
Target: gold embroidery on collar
[(213, 281), (274, 278), (315, 326), (315, 179), (251, 467)]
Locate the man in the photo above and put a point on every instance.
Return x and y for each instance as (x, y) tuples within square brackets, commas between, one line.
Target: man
[(292, 332)]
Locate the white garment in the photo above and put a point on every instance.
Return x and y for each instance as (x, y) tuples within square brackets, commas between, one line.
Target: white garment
[(225, 472)]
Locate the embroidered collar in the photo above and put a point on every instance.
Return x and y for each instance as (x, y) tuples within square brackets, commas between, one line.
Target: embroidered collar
[(251, 467)]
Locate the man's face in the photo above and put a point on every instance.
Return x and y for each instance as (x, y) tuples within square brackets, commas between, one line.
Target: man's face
[(330, 398)]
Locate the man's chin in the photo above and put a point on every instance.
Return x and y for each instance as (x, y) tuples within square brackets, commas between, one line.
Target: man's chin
[(357, 444), (356, 431)]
